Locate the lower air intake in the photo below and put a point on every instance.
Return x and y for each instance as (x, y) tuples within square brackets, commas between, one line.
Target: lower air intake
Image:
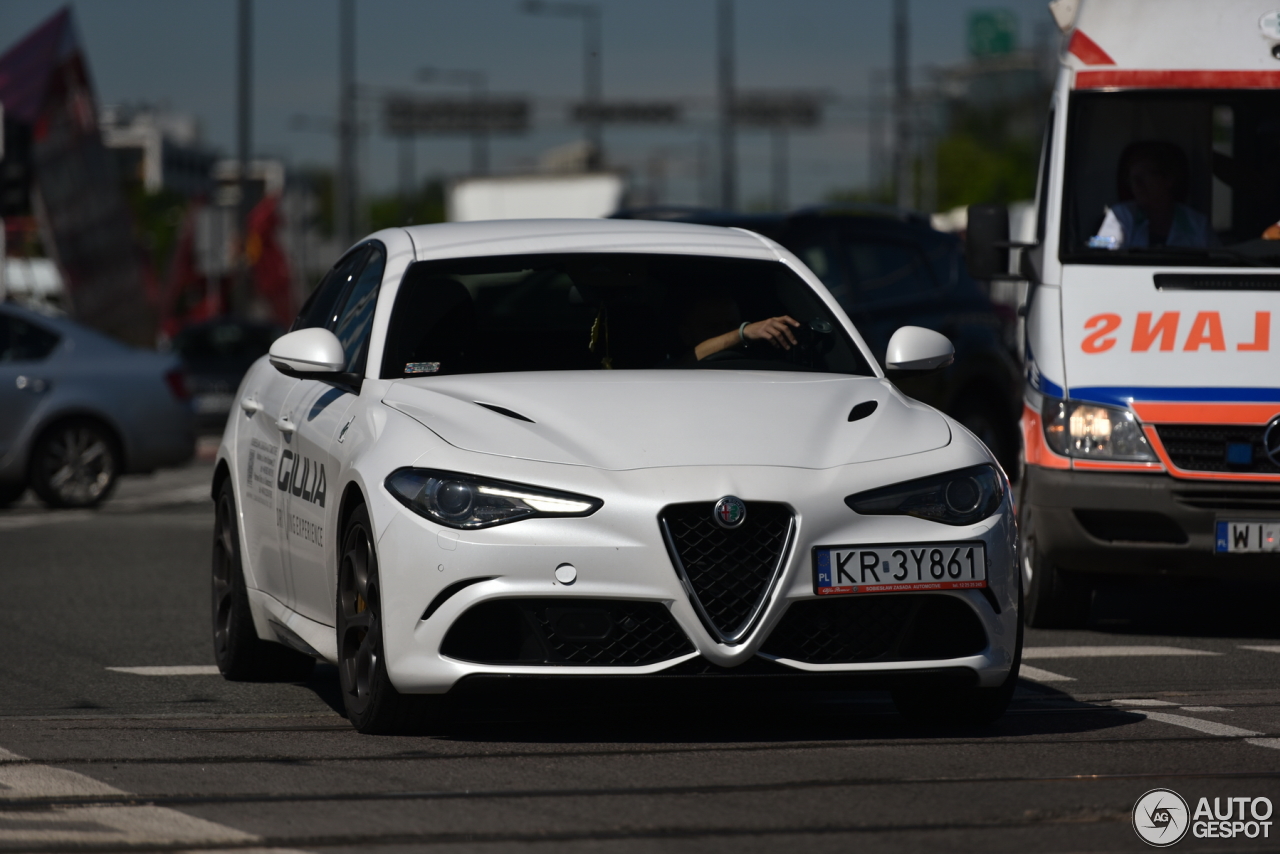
[(877, 627), (583, 632)]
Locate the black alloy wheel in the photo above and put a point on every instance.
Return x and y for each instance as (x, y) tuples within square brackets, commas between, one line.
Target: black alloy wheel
[(1056, 599), (11, 492), (240, 654), (74, 464), (372, 703), (972, 706)]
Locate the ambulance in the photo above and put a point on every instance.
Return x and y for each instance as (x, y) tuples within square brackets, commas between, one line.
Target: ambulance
[(1151, 422)]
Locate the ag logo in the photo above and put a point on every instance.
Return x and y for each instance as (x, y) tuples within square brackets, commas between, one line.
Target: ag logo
[(1271, 441), (1160, 817), (729, 512)]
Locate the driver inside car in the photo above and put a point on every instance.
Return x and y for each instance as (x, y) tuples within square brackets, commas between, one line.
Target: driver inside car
[(1152, 183)]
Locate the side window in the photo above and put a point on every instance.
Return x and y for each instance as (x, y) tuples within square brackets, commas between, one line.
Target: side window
[(322, 305), (888, 271), (355, 318), (21, 341), (1042, 191)]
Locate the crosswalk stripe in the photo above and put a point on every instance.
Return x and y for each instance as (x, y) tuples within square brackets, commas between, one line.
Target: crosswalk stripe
[(171, 670), (1038, 675), (1040, 652), (1210, 727), (112, 827)]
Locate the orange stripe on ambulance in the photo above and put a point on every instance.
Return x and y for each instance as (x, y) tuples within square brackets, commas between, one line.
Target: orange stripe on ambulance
[(1105, 331)]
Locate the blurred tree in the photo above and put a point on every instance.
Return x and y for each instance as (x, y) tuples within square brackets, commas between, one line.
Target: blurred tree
[(157, 219), (989, 155), (424, 206)]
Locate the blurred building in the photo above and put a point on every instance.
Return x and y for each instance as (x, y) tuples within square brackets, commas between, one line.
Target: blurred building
[(159, 150)]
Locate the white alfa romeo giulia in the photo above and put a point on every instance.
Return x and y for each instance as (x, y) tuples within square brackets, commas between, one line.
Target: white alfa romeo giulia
[(601, 448)]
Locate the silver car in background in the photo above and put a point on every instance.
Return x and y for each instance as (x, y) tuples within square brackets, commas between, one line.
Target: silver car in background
[(78, 409)]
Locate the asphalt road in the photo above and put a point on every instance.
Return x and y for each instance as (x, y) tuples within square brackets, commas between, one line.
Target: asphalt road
[(1169, 688)]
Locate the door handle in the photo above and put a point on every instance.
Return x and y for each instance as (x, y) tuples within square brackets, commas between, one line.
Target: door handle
[(249, 405), (285, 425)]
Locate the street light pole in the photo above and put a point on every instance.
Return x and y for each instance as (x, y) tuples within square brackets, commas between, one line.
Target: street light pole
[(901, 95), (728, 150), (241, 292), (592, 67), (345, 187)]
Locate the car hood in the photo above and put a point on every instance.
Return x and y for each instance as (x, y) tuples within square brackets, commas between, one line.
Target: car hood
[(649, 419)]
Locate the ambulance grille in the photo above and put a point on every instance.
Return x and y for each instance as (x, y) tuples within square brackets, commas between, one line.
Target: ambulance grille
[(728, 573), (1216, 447)]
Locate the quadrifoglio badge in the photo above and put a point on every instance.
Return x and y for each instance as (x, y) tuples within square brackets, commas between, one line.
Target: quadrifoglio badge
[(1161, 817)]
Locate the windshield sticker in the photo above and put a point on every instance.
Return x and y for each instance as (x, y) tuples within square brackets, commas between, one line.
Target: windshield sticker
[(422, 367)]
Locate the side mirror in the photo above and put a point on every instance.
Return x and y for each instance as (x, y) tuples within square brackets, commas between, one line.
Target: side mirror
[(914, 348), (308, 354), (987, 242)]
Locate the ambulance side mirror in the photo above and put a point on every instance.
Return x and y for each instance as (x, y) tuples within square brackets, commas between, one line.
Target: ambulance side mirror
[(987, 242)]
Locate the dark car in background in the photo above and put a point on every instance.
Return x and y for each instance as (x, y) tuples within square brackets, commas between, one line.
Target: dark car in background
[(78, 409), (889, 269), (216, 355)]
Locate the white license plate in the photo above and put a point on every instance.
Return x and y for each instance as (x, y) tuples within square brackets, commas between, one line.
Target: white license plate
[(842, 570), (1256, 536)]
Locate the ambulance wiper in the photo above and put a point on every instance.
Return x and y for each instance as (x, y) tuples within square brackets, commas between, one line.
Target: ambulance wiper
[(1217, 253)]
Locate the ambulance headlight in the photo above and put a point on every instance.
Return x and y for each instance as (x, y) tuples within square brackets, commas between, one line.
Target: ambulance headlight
[(1092, 431)]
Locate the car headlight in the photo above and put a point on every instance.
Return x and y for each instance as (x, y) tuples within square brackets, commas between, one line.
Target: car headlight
[(1093, 431), (464, 501), (956, 498)]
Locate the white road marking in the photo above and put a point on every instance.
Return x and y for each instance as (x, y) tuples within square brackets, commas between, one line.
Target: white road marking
[(93, 826), (1142, 703), (1261, 647), (1204, 709), (1108, 651), (1038, 675), (171, 670), (1209, 727), (1273, 743)]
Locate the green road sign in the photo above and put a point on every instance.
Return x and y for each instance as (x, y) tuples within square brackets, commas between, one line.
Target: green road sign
[(992, 32)]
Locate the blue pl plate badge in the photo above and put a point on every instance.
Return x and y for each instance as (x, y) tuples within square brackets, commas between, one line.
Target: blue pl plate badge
[(422, 367), (1221, 538), (824, 568)]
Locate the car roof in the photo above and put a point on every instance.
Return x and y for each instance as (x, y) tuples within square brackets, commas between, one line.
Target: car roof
[(530, 236)]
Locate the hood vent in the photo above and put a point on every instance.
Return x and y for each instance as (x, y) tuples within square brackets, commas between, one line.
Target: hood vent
[(502, 410), (862, 410)]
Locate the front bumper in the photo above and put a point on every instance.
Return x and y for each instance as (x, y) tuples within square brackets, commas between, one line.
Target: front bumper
[(1144, 524), (620, 554)]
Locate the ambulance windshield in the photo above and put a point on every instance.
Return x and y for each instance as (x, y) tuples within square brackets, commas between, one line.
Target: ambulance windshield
[(1173, 178)]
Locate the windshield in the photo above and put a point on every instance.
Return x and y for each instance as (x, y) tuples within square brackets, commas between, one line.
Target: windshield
[(597, 311), (1173, 178)]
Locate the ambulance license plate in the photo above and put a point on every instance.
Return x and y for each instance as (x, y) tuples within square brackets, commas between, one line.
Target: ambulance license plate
[(844, 570), (1234, 537)]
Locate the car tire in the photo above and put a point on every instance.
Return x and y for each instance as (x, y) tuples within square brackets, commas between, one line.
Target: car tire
[(1055, 599), (971, 706), (10, 493), (75, 464), (372, 703), (240, 654)]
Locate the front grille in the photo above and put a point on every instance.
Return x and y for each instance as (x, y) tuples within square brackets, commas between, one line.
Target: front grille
[(583, 632), (728, 573), (1246, 497), (877, 627), (1130, 526), (1206, 447)]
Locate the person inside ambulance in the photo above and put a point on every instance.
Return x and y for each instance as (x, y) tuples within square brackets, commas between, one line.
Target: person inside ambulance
[(1151, 182)]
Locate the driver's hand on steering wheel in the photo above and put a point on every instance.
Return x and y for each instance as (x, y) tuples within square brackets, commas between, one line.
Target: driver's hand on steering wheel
[(775, 330)]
